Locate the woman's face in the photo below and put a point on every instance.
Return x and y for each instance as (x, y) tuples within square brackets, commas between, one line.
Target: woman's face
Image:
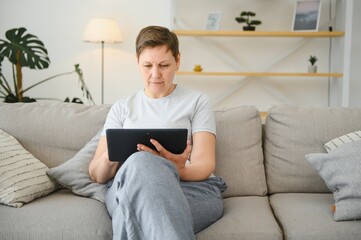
[(158, 67)]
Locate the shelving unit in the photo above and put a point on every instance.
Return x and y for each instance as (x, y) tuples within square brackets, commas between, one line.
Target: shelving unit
[(262, 74), (218, 44), (205, 33)]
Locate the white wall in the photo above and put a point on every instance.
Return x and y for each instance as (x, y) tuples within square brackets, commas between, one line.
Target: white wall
[(60, 25), (355, 73)]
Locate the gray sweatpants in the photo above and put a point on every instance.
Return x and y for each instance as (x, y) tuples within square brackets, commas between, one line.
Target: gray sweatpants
[(148, 201)]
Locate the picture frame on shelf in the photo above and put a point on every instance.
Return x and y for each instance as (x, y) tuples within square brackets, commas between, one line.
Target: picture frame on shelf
[(306, 15), (213, 21)]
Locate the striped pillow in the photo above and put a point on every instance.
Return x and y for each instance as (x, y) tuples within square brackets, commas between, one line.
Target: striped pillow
[(347, 138), (22, 177)]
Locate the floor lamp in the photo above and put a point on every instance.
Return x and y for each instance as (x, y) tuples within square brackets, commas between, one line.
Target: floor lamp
[(102, 30)]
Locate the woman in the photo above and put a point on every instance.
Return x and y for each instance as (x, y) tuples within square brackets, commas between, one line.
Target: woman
[(158, 194)]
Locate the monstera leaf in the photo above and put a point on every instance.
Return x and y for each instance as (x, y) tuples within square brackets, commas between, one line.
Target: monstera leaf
[(24, 49)]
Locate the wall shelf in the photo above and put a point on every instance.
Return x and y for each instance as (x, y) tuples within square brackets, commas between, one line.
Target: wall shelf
[(261, 74), (207, 33), (334, 47), (239, 33)]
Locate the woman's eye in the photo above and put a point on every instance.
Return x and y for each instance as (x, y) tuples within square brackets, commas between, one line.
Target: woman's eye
[(147, 66), (164, 65)]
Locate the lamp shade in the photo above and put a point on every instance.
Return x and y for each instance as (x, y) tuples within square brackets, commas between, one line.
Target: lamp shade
[(102, 30)]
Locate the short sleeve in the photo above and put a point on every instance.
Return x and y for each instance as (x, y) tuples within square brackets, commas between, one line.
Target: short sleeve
[(203, 118), (116, 116)]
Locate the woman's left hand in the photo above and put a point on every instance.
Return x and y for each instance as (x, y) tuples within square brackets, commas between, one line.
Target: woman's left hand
[(179, 160)]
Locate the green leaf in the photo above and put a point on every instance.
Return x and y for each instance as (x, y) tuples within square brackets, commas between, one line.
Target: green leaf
[(240, 20), (32, 51), (255, 22)]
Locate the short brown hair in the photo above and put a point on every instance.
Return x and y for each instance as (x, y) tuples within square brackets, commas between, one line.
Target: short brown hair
[(154, 36)]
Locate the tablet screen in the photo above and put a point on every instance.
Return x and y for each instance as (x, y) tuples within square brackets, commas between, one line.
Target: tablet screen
[(122, 142)]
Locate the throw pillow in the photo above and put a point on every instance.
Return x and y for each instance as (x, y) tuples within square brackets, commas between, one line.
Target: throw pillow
[(336, 142), (341, 171), (74, 174), (22, 177)]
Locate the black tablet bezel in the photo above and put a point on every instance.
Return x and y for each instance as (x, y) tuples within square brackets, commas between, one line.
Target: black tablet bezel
[(122, 142)]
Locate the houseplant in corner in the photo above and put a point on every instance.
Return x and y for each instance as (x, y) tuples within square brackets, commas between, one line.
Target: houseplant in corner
[(245, 17), (26, 50), (312, 68)]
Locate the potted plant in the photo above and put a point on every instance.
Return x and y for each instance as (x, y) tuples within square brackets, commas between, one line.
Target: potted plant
[(245, 17), (312, 68), (26, 50)]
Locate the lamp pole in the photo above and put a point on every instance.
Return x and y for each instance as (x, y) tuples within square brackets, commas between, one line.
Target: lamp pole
[(102, 30), (102, 87)]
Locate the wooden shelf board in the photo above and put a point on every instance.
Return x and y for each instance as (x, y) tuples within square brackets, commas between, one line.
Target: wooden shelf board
[(261, 74), (240, 33)]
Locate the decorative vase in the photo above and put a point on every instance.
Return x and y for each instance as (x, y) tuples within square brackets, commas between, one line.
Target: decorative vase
[(249, 28), (197, 68), (312, 69)]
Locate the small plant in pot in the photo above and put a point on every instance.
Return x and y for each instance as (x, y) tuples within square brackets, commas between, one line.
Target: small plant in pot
[(245, 17), (312, 68)]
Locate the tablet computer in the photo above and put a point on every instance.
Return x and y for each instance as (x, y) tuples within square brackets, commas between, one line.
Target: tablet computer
[(122, 142)]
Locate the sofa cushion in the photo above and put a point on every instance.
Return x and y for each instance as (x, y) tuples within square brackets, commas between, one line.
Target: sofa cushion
[(291, 133), (308, 216), (341, 171), (22, 177), (244, 218), (60, 215), (74, 173), (239, 151), (52, 131)]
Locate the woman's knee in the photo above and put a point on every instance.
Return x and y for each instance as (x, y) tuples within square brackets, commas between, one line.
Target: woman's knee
[(146, 160), (140, 158), (148, 164)]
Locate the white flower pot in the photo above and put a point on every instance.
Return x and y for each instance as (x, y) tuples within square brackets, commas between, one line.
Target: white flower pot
[(312, 69)]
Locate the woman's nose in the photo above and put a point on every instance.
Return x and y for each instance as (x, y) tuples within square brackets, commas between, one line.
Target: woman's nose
[(156, 72)]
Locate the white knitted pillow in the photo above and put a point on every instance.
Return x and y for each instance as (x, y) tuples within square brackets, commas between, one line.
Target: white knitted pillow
[(347, 138), (22, 177)]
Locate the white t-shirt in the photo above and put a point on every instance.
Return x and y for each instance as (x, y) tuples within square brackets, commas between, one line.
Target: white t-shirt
[(183, 108)]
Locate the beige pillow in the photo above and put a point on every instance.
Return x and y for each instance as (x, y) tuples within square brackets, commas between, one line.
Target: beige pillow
[(22, 177)]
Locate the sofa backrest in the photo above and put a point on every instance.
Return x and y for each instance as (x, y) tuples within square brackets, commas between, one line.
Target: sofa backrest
[(53, 132), (291, 132), (239, 151)]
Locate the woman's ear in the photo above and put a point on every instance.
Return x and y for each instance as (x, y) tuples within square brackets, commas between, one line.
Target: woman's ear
[(178, 61)]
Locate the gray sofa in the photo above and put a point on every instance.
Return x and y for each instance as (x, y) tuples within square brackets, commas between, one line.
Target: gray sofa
[(273, 193)]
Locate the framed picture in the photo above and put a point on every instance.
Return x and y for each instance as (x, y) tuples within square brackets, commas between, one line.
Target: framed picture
[(214, 18), (307, 15)]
